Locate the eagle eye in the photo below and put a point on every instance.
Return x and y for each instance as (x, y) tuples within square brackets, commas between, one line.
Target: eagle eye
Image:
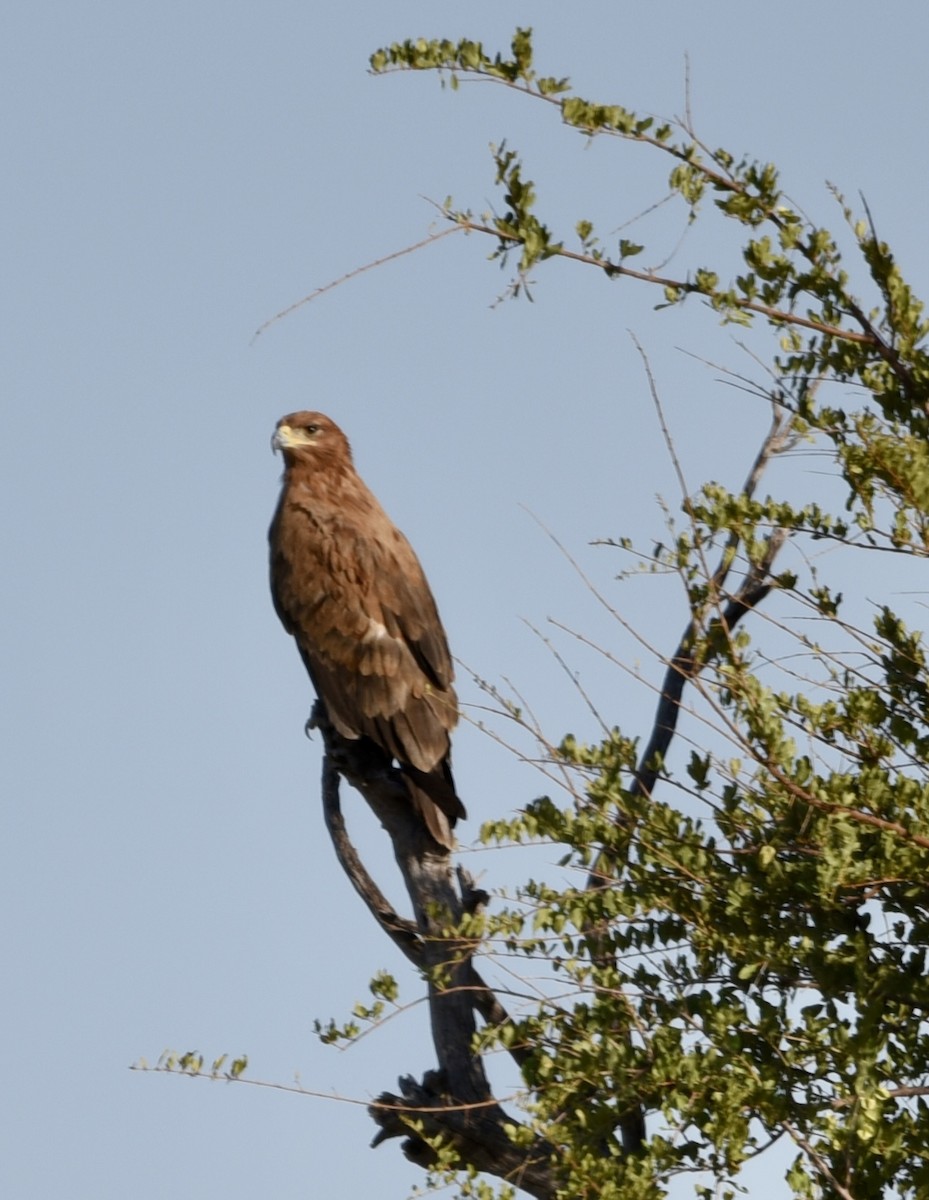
[(312, 429)]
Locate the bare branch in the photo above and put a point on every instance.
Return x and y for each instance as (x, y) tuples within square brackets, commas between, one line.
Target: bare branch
[(369, 266), (402, 932), (685, 663), (455, 1102)]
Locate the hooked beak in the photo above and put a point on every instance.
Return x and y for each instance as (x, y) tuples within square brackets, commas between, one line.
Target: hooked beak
[(281, 438)]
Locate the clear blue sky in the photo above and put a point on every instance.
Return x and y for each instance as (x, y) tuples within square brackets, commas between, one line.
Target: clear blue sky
[(174, 174)]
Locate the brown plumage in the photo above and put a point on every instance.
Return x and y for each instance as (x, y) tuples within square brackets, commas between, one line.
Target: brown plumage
[(348, 586)]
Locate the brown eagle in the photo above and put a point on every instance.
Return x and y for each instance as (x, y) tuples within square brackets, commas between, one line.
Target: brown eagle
[(348, 586)]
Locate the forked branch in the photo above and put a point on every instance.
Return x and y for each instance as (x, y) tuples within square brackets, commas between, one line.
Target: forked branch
[(452, 1106)]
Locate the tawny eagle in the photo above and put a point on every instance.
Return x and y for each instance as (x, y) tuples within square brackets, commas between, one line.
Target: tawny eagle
[(349, 588)]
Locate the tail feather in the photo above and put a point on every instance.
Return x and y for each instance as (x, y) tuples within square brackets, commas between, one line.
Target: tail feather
[(434, 797)]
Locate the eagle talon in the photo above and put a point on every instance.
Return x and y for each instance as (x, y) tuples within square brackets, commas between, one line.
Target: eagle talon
[(316, 720)]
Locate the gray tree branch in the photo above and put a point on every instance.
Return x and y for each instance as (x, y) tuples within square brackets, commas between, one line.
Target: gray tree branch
[(454, 1104)]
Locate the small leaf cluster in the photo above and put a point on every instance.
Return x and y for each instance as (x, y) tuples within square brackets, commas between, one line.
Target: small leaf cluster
[(193, 1063), (519, 225), (385, 990), (420, 54)]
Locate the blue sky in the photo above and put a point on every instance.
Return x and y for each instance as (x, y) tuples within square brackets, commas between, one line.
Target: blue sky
[(175, 174)]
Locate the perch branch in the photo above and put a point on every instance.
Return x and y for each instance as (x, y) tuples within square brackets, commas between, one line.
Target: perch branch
[(454, 1103)]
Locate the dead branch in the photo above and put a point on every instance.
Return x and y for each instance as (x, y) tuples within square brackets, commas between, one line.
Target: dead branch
[(454, 1103)]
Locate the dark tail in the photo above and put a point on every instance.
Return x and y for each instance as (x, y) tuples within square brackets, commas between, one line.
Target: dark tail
[(435, 799)]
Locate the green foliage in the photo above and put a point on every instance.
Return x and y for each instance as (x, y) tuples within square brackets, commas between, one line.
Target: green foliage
[(192, 1063), (519, 225), (384, 989), (794, 279), (742, 951)]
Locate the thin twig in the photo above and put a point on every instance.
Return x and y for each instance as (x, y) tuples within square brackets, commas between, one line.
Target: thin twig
[(369, 266), (818, 1161)]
